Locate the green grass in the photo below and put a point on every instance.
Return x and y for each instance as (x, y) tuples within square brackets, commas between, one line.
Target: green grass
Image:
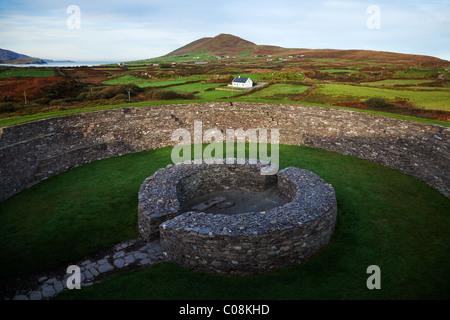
[(414, 73), (217, 94), (439, 100), (25, 72), (128, 79), (193, 87), (275, 75), (142, 82), (278, 91), (393, 82), (385, 218), (152, 83), (74, 214)]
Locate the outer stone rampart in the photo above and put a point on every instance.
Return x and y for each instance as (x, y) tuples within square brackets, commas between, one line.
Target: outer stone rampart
[(34, 151)]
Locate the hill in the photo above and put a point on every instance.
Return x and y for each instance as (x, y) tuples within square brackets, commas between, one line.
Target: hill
[(223, 44), (230, 45), (11, 57)]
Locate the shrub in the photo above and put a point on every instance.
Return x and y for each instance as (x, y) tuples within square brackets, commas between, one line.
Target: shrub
[(93, 96), (62, 90), (165, 95), (377, 103), (189, 96), (6, 107), (42, 101), (168, 95), (112, 91), (121, 96), (61, 102), (108, 92)]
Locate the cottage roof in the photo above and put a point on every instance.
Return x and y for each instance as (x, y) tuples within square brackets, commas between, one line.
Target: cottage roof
[(240, 79)]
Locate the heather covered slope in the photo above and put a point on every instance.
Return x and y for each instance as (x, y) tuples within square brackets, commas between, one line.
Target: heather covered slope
[(230, 45), (11, 57)]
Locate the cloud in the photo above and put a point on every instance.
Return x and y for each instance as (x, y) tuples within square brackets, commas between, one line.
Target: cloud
[(141, 29)]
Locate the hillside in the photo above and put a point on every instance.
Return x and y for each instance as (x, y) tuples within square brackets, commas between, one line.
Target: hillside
[(230, 45), (223, 44), (11, 57)]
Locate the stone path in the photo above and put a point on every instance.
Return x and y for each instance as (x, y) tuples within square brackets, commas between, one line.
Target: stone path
[(123, 256)]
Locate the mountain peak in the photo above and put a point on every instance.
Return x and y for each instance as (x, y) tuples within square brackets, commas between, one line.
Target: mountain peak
[(225, 37), (222, 44)]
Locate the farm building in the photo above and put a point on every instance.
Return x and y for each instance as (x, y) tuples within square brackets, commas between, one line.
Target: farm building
[(242, 82)]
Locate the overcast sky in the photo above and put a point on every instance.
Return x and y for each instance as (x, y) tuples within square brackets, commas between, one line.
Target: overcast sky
[(132, 29)]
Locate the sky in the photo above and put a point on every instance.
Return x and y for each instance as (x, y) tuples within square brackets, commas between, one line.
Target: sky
[(126, 30)]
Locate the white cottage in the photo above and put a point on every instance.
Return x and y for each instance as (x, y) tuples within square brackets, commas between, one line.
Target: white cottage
[(242, 82)]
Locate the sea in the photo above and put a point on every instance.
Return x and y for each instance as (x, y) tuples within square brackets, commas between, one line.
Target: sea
[(52, 64)]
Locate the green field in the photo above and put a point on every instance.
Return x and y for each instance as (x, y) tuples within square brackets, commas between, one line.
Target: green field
[(415, 73), (152, 83), (385, 218), (25, 72), (394, 82), (193, 87), (278, 91), (439, 100), (142, 82), (217, 94)]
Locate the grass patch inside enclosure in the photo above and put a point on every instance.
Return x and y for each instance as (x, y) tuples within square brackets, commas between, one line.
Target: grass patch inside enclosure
[(385, 218)]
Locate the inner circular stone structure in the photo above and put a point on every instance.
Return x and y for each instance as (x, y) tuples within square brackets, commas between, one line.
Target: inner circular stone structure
[(231, 218)]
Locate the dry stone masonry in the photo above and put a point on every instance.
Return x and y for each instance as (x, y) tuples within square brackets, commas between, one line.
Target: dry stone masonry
[(34, 151), (244, 243), (130, 254)]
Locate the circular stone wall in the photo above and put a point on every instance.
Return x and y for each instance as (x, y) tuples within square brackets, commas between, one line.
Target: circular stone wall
[(244, 243), (34, 151)]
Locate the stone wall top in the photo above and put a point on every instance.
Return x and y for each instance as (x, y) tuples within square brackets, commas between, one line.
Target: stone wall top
[(34, 151)]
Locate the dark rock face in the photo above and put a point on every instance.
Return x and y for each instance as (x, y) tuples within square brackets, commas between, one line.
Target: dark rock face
[(34, 151), (246, 243)]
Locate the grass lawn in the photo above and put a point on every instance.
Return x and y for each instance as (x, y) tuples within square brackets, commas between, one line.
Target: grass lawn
[(439, 100), (385, 218)]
